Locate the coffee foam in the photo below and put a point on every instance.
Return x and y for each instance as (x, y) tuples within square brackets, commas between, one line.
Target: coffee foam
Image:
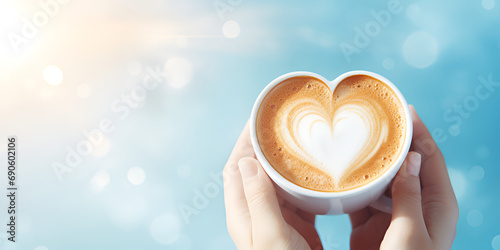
[(331, 142)]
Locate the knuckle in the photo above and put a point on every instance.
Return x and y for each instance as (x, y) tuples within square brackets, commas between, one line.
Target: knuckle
[(258, 196), (230, 170), (408, 186), (413, 193), (412, 197), (407, 191)]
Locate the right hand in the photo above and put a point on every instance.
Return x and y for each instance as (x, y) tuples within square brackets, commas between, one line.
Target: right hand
[(425, 210)]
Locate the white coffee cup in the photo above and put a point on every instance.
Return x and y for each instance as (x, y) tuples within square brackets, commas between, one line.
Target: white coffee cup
[(343, 202)]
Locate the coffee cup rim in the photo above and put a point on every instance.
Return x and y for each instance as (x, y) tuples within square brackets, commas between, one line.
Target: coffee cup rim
[(289, 185)]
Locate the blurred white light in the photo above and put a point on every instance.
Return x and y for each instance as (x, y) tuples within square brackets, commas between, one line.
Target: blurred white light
[(53, 75), (231, 29), (136, 175), (475, 218), (488, 4), (420, 49), (179, 72), (41, 248), (101, 149), (458, 182), (166, 229), (83, 91), (482, 152), (46, 94), (100, 180), (476, 173), (495, 243), (183, 171), (388, 63), (134, 68)]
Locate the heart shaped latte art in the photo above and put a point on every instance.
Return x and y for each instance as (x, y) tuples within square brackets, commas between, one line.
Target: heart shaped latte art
[(331, 141)]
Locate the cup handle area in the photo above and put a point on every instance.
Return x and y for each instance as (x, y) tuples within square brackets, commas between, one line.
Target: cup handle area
[(383, 204)]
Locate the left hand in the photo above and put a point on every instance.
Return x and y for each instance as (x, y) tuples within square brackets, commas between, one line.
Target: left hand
[(256, 217)]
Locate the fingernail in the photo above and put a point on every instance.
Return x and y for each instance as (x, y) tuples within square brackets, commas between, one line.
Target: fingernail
[(247, 168), (413, 165), (414, 111)]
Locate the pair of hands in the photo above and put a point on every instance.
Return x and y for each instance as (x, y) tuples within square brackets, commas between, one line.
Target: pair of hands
[(425, 210)]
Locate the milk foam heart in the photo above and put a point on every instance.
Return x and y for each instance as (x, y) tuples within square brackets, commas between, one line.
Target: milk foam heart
[(334, 145), (331, 141)]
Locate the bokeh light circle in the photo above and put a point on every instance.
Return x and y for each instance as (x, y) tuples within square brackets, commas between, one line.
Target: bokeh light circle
[(476, 173), (165, 229), (136, 175), (420, 49), (100, 180), (488, 4), (495, 243), (475, 218), (53, 75), (413, 12), (231, 29)]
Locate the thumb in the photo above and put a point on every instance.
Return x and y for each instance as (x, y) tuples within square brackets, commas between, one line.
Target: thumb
[(406, 188), (265, 212), (407, 224), (406, 195)]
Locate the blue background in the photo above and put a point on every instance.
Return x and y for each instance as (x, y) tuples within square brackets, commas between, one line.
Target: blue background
[(184, 130)]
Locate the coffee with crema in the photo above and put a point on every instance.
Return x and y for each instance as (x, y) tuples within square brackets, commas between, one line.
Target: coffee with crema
[(328, 141)]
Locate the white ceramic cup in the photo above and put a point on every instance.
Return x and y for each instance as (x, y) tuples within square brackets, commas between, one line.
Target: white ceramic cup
[(343, 202)]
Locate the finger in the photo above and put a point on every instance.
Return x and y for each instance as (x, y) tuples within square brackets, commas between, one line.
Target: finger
[(406, 189), (309, 217), (305, 228), (407, 218), (306, 216), (438, 198), (373, 229), (265, 212), (434, 176), (243, 148), (237, 214), (360, 217)]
